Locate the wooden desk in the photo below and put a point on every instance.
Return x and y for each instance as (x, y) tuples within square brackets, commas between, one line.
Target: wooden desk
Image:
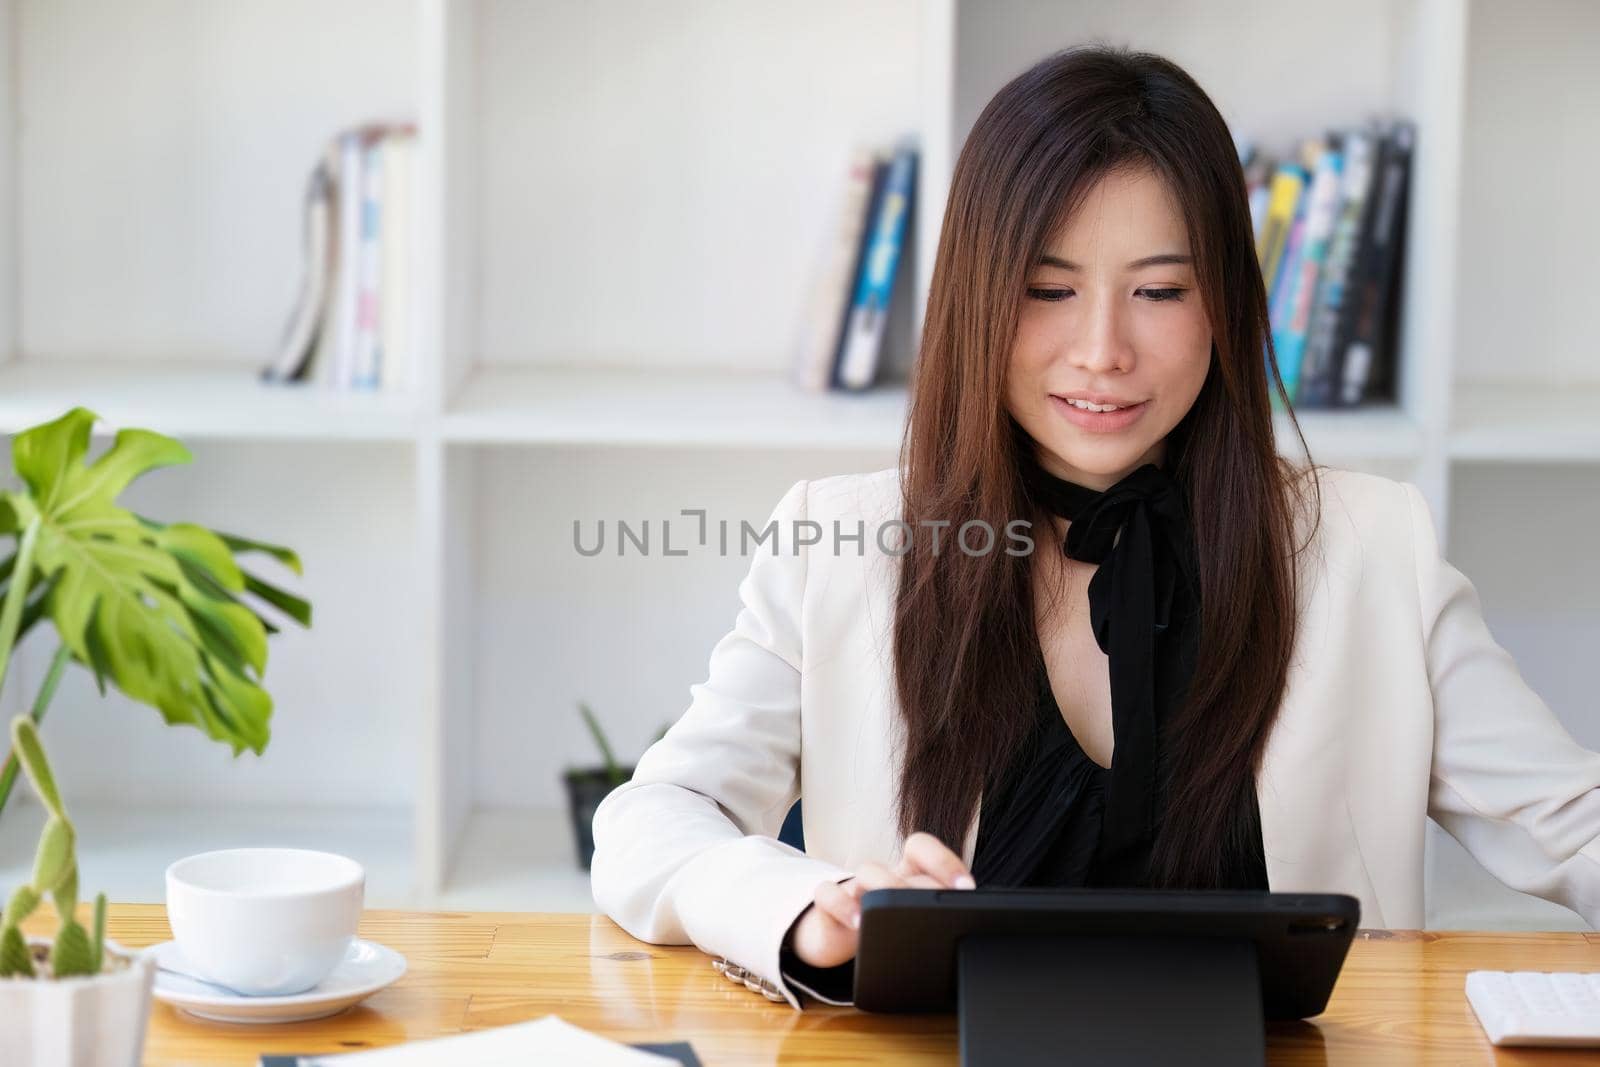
[(1398, 1000)]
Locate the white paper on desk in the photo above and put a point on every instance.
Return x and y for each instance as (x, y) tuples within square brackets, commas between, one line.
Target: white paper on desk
[(548, 1040)]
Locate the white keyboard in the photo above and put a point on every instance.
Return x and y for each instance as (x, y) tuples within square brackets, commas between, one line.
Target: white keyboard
[(1537, 1007)]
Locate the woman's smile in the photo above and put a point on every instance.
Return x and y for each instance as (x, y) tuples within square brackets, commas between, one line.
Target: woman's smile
[(1095, 417)]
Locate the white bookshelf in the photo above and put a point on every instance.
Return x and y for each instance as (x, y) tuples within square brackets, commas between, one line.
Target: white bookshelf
[(620, 206)]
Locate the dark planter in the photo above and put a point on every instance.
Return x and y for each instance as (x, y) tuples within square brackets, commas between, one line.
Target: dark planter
[(585, 790)]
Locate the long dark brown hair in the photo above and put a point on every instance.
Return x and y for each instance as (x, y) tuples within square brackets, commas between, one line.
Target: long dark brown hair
[(965, 639)]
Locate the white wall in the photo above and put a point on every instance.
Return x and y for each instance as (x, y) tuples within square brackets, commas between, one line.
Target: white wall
[(164, 150), (627, 205), (1531, 219)]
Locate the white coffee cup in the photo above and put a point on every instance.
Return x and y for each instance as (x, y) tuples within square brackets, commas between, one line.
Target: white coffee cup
[(265, 921)]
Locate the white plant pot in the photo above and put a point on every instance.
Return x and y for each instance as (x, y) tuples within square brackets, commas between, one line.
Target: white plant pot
[(78, 1022)]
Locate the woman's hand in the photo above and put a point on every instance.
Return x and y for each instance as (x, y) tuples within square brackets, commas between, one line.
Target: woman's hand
[(827, 932)]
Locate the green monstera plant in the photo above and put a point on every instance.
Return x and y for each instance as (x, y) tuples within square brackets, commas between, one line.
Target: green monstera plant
[(158, 610)]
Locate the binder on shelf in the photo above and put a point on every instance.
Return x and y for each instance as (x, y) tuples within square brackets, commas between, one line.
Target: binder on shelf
[(861, 346)]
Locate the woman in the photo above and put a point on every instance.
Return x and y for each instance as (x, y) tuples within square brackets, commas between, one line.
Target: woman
[(1219, 669)]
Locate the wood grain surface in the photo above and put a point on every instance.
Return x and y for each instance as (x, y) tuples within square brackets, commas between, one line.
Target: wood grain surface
[(1399, 1000)]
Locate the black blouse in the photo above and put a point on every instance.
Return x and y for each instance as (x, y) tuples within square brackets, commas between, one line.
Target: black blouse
[(1041, 816)]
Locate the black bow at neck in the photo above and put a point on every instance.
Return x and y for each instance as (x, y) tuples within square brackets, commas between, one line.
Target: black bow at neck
[(1142, 600)]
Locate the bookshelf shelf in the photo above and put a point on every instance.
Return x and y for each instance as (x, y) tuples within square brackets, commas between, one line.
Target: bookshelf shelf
[(1526, 424), (198, 400), (1363, 434)]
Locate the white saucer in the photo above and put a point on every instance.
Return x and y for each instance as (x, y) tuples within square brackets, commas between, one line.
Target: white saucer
[(366, 968)]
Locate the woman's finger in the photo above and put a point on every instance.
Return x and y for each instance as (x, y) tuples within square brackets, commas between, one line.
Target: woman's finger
[(876, 876), (823, 941), (925, 854), (839, 903)]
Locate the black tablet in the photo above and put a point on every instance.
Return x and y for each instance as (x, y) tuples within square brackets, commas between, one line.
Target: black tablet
[(909, 958)]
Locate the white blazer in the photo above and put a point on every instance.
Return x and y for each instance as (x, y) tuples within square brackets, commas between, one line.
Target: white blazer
[(1399, 706)]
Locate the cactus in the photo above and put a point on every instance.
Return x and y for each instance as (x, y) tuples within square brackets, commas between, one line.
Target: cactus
[(15, 959), (73, 954), (55, 873)]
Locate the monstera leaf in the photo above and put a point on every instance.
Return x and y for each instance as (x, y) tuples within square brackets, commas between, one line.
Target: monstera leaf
[(155, 608)]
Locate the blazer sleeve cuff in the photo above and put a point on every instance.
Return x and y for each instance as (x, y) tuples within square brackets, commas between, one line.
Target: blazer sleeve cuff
[(747, 893), (831, 985)]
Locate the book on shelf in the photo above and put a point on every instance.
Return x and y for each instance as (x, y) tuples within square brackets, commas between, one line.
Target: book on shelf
[(841, 341), (364, 363), (1288, 264), (397, 308), (1282, 200), (1317, 370), (300, 333), (822, 320), (351, 324), (1370, 367), (1302, 273), (1330, 238), (862, 345)]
